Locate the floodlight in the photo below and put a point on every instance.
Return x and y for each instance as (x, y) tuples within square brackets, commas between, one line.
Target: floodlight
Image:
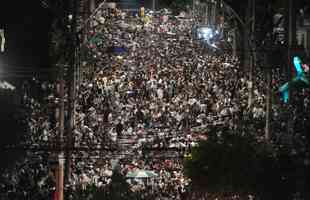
[(208, 35), (204, 33)]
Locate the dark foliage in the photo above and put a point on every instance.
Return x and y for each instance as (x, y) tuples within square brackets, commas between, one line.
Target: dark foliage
[(13, 128), (240, 164), (117, 190)]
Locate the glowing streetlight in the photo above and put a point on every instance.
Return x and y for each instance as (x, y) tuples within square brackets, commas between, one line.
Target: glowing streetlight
[(207, 35), (204, 33), (2, 37)]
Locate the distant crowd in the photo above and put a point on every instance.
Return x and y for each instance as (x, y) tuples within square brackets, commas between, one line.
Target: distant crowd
[(149, 94)]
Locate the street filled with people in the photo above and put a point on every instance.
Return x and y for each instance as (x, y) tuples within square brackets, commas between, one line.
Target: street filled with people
[(149, 92)]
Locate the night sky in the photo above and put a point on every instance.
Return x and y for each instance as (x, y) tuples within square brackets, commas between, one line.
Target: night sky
[(26, 25)]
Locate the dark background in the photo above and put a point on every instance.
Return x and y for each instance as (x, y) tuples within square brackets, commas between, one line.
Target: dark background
[(26, 25)]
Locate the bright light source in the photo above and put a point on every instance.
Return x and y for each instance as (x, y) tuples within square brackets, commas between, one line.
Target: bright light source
[(2, 40), (208, 36), (6, 86), (70, 17), (205, 33), (214, 45)]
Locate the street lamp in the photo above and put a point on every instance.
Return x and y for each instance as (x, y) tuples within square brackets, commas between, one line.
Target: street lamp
[(207, 35), (2, 37), (204, 33)]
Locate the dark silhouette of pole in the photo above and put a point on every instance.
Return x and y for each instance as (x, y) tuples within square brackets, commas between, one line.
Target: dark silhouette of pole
[(291, 43), (154, 5), (253, 53), (61, 121), (291, 35), (268, 97), (92, 5), (72, 87)]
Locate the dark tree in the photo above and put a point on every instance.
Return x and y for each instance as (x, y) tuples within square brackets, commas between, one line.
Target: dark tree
[(13, 128), (117, 190), (230, 163)]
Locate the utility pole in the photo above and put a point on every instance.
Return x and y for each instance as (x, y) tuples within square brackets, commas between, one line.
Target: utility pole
[(206, 19), (253, 54), (196, 11), (154, 5), (72, 87), (246, 30), (268, 95), (61, 120), (92, 6), (291, 42), (291, 34), (234, 42), (269, 48), (213, 13), (193, 7)]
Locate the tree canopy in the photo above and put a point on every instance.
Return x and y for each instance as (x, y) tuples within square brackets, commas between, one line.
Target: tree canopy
[(118, 189), (239, 164)]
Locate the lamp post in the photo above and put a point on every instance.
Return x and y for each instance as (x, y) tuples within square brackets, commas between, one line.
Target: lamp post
[(154, 5)]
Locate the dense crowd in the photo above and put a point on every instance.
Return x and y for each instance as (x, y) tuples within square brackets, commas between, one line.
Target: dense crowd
[(152, 92)]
